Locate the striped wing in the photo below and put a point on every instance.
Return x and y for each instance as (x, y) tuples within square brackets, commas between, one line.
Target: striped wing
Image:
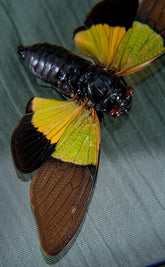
[(63, 139), (117, 44)]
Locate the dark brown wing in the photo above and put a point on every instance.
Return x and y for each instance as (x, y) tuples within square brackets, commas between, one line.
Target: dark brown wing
[(59, 193), (152, 12), (29, 147), (112, 12)]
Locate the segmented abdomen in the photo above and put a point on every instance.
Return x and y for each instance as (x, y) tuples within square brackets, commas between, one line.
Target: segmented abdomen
[(55, 65)]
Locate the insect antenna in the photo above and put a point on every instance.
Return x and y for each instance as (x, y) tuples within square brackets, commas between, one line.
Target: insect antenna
[(56, 90)]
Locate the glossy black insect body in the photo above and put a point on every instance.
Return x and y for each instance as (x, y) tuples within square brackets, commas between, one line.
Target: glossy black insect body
[(78, 77)]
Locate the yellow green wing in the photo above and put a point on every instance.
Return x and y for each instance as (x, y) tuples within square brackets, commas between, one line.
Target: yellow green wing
[(117, 45), (139, 47), (100, 42), (52, 117), (80, 143), (64, 129), (62, 139), (103, 30), (74, 128)]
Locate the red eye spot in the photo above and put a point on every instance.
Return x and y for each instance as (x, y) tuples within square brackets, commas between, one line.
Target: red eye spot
[(115, 112), (129, 91)]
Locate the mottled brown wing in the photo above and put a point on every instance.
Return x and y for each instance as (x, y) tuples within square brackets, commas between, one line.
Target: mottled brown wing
[(59, 193)]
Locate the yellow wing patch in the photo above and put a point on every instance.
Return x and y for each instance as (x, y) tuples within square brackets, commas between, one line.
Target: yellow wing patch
[(80, 143), (100, 42), (52, 117)]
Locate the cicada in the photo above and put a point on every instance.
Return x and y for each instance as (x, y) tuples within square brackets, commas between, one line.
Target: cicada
[(61, 139)]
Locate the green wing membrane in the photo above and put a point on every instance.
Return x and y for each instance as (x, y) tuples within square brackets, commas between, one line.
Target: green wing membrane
[(138, 48), (80, 143), (145, 41)]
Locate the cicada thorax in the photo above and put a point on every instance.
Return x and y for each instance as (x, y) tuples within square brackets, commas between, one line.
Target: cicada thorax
[(78, 78)]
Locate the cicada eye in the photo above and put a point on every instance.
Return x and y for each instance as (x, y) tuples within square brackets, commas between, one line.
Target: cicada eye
[(129, 91), (115, 112)]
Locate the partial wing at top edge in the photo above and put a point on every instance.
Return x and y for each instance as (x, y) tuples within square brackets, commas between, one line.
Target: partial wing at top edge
[(145, 41), (139, 47), (103, 29), (153, 14), (124, 52), (112, 12)]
